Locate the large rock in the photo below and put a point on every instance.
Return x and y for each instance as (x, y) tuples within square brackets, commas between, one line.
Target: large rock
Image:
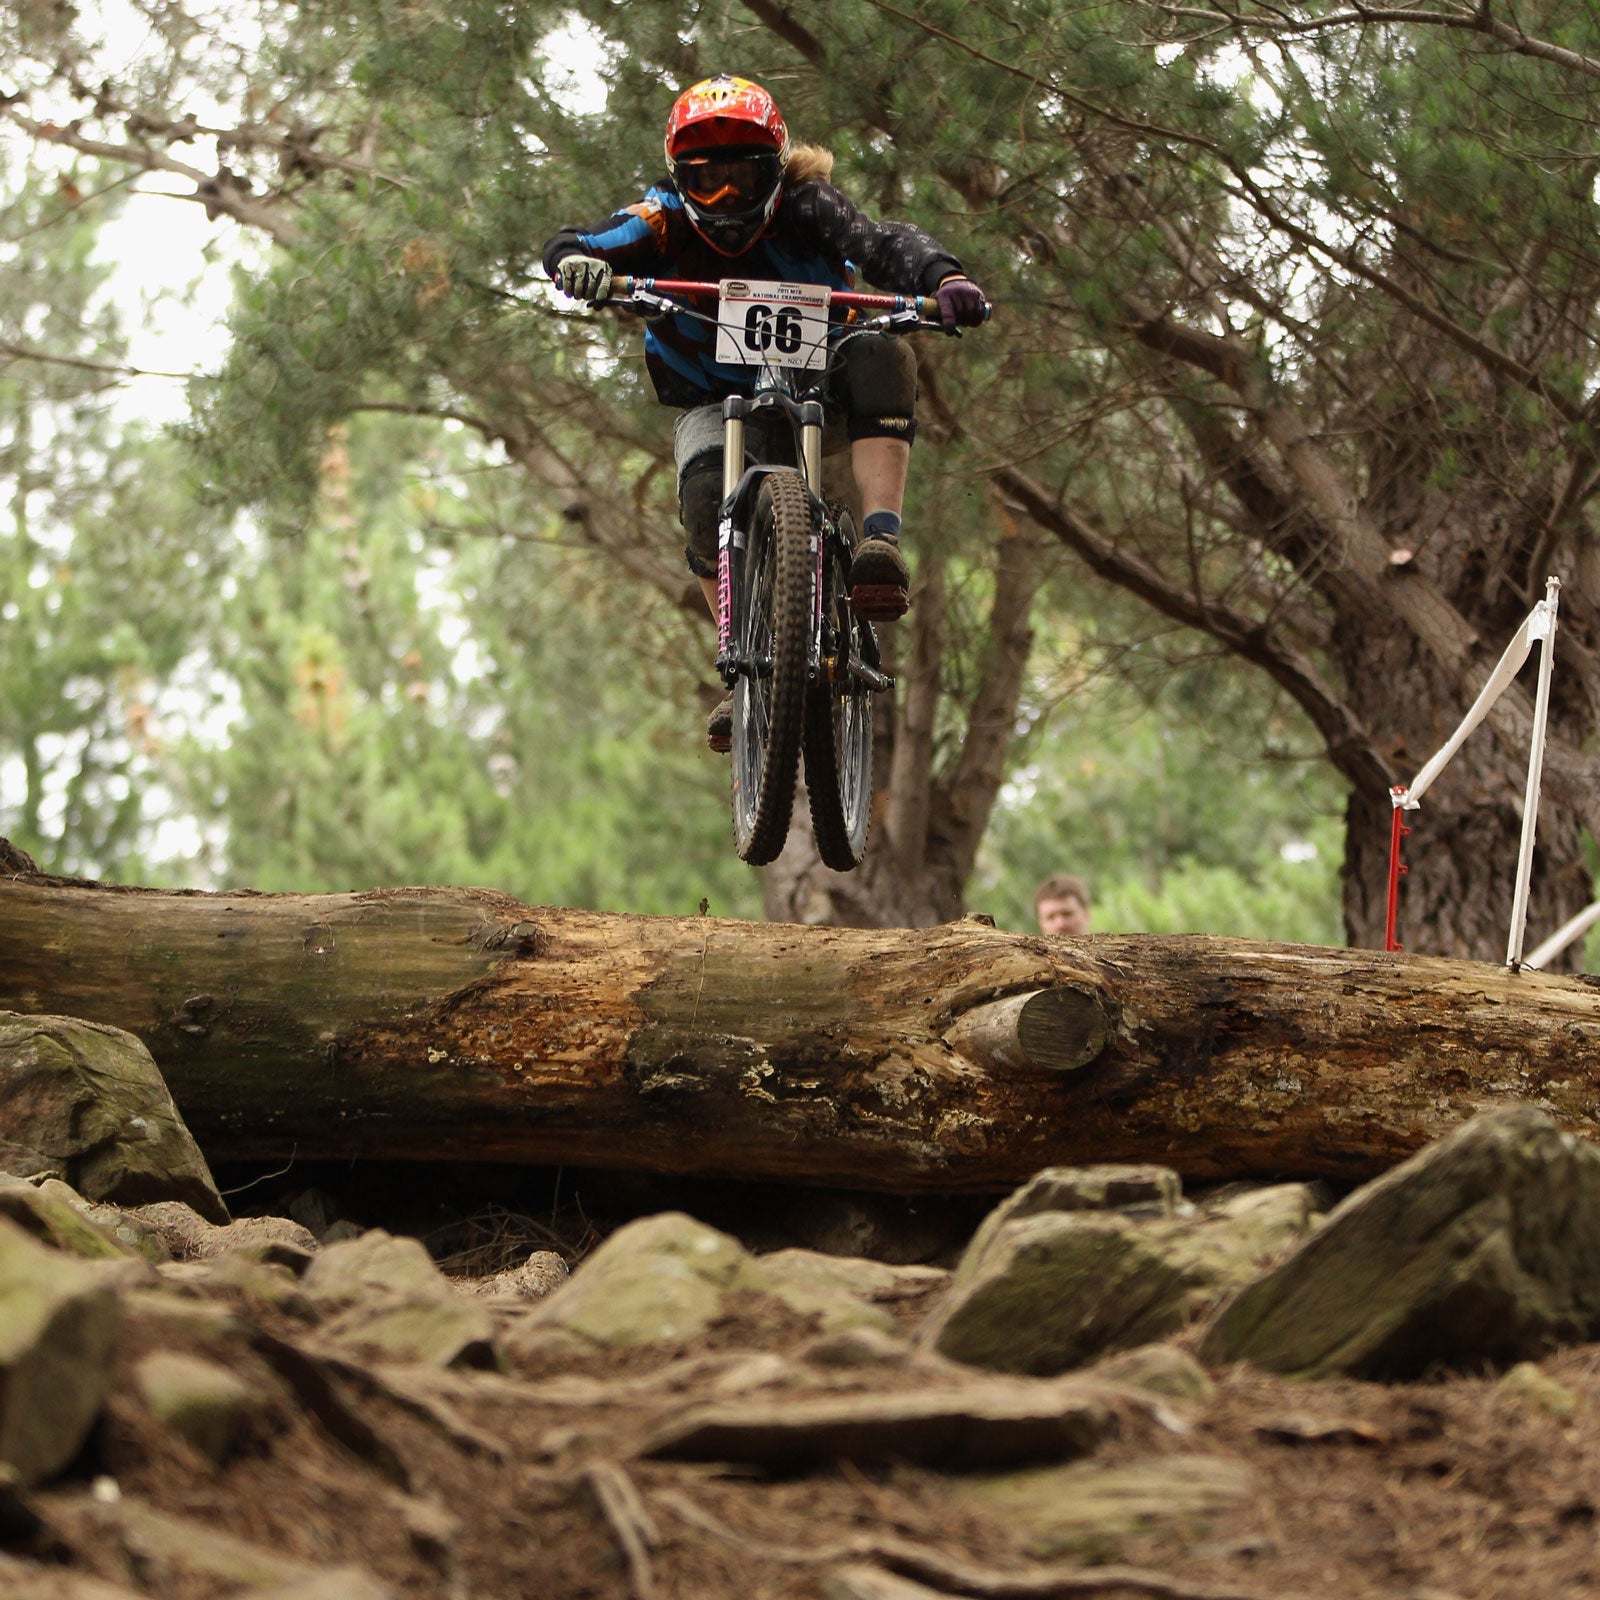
[(352, 1269), (396, 1304), (86, 1104), (987, 1423), (667, 1278), (1137, 1190), (843, 1293), (58, 1324), (661, 1279), (456, 1331), (1482, 1248), (130, 1229), (1085, 1511), (1045, 1290), (201, 1401), (48, 1212)]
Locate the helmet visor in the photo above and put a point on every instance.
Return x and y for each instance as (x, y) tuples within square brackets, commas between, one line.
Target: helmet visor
[(721, 185)]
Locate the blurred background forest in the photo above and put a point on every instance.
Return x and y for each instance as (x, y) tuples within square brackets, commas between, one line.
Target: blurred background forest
[(398, 597)]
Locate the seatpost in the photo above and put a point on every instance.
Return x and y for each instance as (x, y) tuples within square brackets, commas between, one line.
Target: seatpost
[(734, 410)]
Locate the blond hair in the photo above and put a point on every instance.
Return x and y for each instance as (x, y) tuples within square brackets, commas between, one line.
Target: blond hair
[(808, 163)]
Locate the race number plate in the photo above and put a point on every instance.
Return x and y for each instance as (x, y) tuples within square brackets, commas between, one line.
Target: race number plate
[(778, 324)]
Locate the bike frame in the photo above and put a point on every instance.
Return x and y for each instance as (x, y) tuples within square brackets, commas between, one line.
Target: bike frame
[(802, 667), (791, 392)]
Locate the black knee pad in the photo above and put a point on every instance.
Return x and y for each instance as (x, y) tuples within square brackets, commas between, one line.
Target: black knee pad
[(877, 383), (699, 501)]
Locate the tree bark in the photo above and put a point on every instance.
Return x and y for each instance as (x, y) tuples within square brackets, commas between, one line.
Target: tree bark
[(459, 1024)]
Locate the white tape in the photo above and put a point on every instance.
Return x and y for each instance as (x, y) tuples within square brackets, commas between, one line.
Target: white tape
[(1501, 679)]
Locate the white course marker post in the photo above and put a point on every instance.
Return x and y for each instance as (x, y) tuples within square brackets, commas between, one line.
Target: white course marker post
[(1546, 633)]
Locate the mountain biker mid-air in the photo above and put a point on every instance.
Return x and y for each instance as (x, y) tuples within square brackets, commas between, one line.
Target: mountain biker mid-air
[(740, 201)]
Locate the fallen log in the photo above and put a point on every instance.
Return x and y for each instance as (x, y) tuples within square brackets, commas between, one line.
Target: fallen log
[(460, 1024)]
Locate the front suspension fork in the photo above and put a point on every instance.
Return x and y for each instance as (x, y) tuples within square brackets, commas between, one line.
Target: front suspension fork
[(733, 415)]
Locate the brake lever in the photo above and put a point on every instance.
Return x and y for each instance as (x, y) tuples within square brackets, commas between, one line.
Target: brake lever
[(648, 304)]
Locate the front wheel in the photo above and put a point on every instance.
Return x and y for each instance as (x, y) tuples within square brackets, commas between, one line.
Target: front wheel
[(776, 579), (838, 741)]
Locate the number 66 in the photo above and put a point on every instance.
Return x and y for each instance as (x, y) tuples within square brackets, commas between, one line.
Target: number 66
[(764, 328)]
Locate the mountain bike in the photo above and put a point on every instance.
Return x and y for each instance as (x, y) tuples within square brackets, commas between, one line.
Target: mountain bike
[(801, 665)]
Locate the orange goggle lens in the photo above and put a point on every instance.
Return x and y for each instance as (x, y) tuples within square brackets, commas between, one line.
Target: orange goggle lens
[(718, 184)]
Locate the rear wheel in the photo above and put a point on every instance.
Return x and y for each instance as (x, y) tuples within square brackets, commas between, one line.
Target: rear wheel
[(774, 610), (838, 740)]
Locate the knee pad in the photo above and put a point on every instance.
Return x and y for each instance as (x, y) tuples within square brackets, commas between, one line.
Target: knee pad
[(878, 384), (699, 500)]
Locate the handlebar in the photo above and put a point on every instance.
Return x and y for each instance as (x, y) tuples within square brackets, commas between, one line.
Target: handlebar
[(925, 306)]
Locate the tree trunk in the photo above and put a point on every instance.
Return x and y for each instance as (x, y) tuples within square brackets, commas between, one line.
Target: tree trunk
[(456, 1023)]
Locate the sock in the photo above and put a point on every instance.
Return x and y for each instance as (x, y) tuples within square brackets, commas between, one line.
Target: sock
[(881, 525)]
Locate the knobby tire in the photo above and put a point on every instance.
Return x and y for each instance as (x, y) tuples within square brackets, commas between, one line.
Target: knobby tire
[(838, 734), (776, 579)]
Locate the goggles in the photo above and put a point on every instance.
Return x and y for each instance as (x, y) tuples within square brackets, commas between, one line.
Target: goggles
[(729, 183)]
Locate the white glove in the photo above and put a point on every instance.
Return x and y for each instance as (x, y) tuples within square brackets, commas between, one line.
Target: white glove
[(584, 278)]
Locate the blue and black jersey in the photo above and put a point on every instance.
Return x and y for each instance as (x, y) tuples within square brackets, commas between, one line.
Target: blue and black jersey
[(816, 236)]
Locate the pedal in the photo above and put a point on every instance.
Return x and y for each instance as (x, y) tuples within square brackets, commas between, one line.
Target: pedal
[(880, 602)]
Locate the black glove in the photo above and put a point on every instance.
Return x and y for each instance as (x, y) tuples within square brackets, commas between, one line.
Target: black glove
[(961, 304), (584, 278)]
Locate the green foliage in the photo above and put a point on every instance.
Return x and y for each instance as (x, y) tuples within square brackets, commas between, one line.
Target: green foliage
[(106, 574), (419, 703), (435, 645), (1185, 813)]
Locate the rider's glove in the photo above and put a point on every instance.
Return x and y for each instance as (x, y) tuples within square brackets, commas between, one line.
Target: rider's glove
[(584, 278), (961, 304)]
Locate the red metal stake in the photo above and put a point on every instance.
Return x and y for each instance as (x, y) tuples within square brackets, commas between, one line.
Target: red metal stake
[(1397, 868)]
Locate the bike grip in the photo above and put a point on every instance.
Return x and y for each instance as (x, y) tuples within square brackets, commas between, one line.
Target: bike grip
[(928, 308)]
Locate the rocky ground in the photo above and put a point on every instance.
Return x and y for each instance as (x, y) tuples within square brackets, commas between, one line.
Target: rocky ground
[(1104, 1388)]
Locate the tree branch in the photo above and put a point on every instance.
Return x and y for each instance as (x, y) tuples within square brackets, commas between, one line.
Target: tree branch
[(1477, 18), (19, 352), (1350, 747), (1251, 192), (403, 408), (778, 19), (217, 191)]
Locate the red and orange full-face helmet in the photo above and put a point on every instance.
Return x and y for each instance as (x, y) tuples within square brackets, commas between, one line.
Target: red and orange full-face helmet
[(726, 149)]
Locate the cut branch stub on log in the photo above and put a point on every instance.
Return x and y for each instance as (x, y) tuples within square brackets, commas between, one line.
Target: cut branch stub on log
[(459, 1024), (1049, 1030)]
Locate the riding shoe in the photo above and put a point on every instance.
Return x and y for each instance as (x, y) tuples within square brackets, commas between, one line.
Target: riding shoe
[(719, 726), (880, 581)]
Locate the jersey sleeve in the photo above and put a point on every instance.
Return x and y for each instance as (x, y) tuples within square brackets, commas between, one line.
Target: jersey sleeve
[(630, 239), (896, 256)]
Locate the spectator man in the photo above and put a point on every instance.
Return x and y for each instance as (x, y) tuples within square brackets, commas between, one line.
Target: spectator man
[(1061, 904)]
